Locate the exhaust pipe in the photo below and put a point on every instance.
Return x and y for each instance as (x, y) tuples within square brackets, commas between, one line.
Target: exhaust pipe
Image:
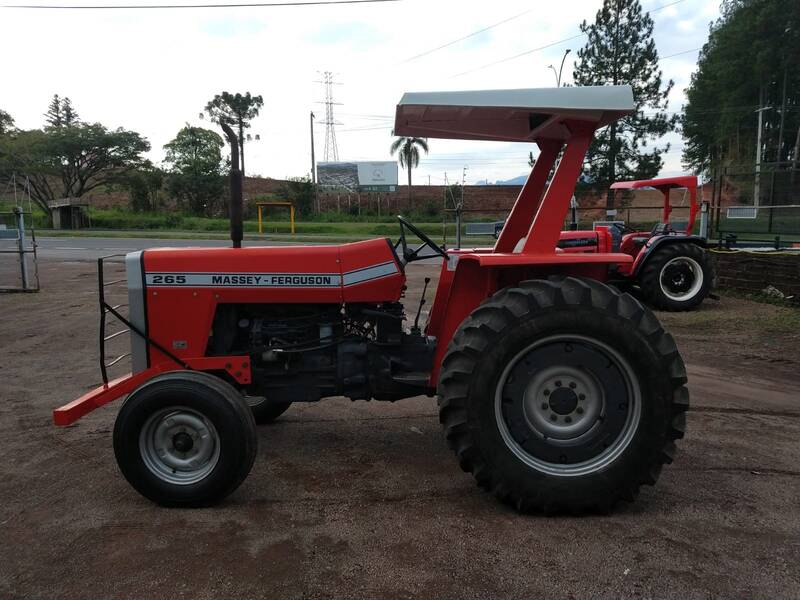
[(236, 188)]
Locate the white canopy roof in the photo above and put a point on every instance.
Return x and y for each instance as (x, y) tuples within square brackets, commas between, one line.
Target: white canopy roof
[(524, 115)]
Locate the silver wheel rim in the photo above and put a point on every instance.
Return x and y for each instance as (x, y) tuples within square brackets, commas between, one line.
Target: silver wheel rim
[(179, 445), (671, 286), (577, 424)]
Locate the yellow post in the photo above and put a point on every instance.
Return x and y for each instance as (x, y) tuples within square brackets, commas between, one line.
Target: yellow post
[(260, 229), (291, 216)]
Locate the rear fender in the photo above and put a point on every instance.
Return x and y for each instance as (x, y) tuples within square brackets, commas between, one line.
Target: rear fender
[(468, 279), (660, 241)]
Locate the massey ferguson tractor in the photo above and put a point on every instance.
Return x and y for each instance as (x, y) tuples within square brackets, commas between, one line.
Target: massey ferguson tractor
[(557, 392), (671, 268)]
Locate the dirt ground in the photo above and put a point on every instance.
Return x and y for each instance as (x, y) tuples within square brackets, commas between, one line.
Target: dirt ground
[(357, 500)]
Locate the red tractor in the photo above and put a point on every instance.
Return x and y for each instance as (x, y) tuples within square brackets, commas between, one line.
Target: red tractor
[(670, 267), (556, 391)]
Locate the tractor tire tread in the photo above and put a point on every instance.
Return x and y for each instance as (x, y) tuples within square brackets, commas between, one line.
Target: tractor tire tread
[(484, 327)]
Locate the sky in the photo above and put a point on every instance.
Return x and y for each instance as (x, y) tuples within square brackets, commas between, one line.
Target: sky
[(153, 71)]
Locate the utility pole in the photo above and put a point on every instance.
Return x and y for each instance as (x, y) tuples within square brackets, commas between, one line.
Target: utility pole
[(757, 186), (460, 208), (313, 161)]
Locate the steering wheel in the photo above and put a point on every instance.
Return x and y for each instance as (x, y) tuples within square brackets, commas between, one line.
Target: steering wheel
[(623, 228), (410, 255)]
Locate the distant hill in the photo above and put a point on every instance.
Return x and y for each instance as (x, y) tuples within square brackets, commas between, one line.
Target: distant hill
[(513, 181)]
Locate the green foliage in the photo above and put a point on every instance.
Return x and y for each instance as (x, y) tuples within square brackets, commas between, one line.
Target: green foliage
[(61, 113), (143, 186), (749, 61), (620, 50), (6, 122), (300, 192), (407, 149), (236, 110), (71, 160), (196, 170)]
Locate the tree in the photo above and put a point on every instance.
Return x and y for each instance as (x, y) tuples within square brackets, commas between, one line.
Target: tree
[(748, 62), (61, 113), (236, 110), (196, 170), (143, 186), (6, 122), (620, 50), (408, 154), (70, 161), (300, 192)]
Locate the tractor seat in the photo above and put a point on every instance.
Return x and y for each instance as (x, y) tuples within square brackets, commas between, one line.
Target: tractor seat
[(661, 229)]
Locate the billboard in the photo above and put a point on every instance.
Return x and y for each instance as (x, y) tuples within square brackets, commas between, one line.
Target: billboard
[(366, 176)]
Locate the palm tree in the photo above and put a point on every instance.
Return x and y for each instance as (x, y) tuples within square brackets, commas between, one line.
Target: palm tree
[(409, 154)]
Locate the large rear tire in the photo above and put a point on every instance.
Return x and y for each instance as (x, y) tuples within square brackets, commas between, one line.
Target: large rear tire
[(563, 396), (677, 277), (264, 411), (185, 438)]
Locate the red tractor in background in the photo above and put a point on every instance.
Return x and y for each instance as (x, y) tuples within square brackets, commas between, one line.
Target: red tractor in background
[(556, 391), (671, 267)]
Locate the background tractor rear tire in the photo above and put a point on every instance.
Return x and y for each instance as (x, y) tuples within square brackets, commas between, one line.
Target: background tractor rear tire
[(676, 277), (185, 439), (562, 396), (265, 412)]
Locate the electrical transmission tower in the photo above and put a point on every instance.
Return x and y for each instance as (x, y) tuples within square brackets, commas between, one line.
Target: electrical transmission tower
[(331, 153)]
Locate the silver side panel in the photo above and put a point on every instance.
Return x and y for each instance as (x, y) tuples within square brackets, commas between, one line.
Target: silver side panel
[(136, 314)]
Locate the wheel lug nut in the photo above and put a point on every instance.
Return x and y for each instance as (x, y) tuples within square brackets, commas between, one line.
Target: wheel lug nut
[(581, 396), (553, 418), (568, 419), (547, 392), (545, 406), (558, 384), (572, 385), (579, 410)]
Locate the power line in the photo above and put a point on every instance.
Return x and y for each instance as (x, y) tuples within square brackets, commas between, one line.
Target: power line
[(170, 6), (679, 53), (497, 62), (550, 45), (461, 39)]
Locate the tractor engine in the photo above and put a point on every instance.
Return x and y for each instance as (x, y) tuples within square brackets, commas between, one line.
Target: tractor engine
[(305, 352)]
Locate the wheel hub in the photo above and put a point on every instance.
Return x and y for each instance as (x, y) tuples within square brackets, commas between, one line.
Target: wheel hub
[(681, 278), (179, 445), (182, 442), (567, 405), (563, 401)]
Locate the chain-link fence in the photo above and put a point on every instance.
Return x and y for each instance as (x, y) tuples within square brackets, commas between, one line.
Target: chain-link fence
[(757, 205)]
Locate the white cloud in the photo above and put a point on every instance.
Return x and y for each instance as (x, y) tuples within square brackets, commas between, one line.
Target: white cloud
[(153, 71)]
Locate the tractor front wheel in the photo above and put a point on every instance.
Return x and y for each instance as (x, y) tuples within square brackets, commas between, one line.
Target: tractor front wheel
[(185, 439), (676, 277), (562, 396)]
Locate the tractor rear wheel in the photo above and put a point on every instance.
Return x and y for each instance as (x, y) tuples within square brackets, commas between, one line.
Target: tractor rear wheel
[(265, 411), (676, 277), (562, 396), (185, 438)]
